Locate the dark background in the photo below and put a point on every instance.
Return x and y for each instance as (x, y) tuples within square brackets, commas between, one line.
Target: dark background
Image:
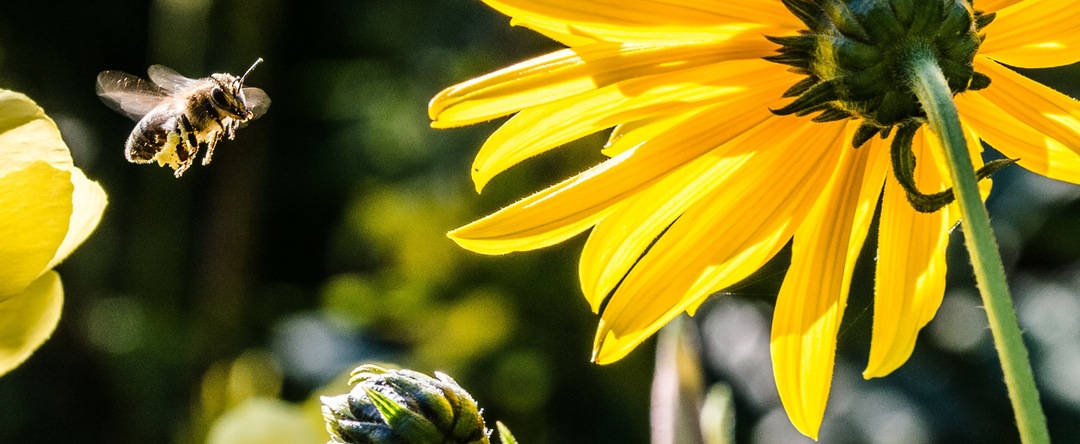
[(315, 241)]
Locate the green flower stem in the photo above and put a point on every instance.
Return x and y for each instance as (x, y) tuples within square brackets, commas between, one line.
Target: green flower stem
[(934, 94)]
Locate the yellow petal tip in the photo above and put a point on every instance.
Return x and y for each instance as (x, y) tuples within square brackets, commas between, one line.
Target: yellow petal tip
[(609, 348), (810, 429), (479, 180), (482, 246)]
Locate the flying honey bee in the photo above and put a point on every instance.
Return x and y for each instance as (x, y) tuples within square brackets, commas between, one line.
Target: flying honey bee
[(176, 115)]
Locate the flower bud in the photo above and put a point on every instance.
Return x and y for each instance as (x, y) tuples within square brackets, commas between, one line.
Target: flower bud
[(403, 406)]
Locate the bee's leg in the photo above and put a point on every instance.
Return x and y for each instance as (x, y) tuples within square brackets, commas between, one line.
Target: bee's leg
[(188, 147), (184, 156), (215, 137), (228, 126), (180, 169), (231, 128)]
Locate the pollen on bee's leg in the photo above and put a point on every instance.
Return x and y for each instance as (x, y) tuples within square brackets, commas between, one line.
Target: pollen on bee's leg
[(170, 151)]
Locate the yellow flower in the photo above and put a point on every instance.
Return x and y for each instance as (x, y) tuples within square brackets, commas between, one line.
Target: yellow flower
[(47, 208), (705, 182)]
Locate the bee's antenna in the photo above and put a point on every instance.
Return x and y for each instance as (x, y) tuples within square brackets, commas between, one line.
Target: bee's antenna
[(253, 65)]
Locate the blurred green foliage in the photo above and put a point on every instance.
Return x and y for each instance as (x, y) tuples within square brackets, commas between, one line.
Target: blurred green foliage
[(316, 241)]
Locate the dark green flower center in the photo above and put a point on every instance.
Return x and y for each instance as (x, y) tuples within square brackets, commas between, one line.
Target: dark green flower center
[(854, 54)]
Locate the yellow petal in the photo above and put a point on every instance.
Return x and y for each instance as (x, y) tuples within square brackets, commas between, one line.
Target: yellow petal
[(28, 136), (1037, 152), (559, 33), (877, 169), (645, 20), (88, 204), (538, 129), (35, 209), (1035, 34), (910, 280), (629, 135), (616, 243), (566, 209), (1037, 106), (28, 319), (724, 237), (995, 5), (814, 293), (569, 72)]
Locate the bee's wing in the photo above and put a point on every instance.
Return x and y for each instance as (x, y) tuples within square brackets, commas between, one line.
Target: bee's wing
[(257, 101), (128, 95), (169, 80)]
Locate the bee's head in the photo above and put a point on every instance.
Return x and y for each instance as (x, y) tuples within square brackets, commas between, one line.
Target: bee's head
[(228, 93)]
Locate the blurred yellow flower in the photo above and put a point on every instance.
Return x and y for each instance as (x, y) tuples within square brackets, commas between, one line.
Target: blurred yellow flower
[(705, 183), (47, 208)]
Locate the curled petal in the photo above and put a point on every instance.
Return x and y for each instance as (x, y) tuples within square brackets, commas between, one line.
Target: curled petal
[(88, 205)]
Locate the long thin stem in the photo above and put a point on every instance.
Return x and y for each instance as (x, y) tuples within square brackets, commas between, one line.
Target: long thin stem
[(933, 92)]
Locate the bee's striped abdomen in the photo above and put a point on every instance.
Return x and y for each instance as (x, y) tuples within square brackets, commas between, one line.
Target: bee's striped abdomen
[(150, 137)]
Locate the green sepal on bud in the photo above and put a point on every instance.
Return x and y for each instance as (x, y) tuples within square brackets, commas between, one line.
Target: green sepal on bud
[(403, 407), (505, 437)]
